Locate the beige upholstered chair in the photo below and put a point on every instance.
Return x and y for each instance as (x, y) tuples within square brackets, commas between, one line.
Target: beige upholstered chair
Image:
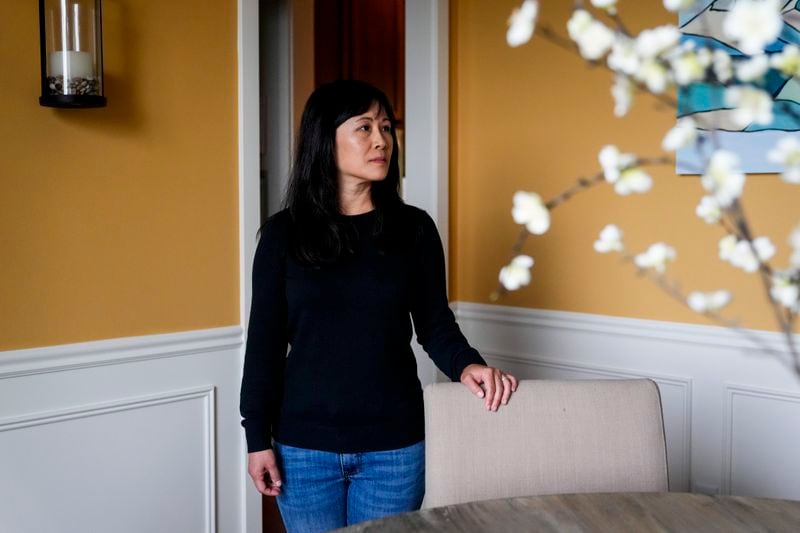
[(552, 437)]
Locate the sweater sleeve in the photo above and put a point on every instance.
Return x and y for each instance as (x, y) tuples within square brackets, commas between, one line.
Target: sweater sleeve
[(267, 341), (434, 322)]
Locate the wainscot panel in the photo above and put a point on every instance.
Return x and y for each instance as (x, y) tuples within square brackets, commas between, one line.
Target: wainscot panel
[(125, 435)]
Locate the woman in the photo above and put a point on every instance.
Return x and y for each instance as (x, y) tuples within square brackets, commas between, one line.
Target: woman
[(336, 275)]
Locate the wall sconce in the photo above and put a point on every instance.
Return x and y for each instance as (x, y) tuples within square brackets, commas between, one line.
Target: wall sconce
[(71, 49)]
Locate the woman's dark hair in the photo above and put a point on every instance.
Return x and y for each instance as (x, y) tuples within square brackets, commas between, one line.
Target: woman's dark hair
[(320, 234)]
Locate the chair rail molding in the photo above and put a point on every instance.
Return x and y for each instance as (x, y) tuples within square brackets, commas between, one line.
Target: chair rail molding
[(709, 335), (17, 363)]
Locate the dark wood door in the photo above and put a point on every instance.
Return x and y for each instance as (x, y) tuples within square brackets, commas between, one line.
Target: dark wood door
[(271, 521), (364, 40)]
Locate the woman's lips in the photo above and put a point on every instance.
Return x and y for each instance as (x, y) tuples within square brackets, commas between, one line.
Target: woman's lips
[(379, 161)]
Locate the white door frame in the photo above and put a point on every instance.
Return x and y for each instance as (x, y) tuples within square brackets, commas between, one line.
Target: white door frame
[(427, 77), (249, 173), (426, 183)]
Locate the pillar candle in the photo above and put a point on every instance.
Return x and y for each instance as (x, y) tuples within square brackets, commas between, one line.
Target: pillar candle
[(71, 64)]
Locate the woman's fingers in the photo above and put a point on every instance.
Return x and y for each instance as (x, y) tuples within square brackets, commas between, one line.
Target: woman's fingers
[(261, 486), (506, 390), (272, 491), (499, 385), (260, 463), (489, 383), (271, 466), (491, 386), (510, 385), (472, 385), (275, 477), (258, 479)]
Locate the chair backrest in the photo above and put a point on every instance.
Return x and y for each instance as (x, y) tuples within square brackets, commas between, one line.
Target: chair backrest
[(552, 437)]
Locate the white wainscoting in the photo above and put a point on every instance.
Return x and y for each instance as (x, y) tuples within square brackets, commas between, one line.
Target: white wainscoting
[(732, 413), (124, 435), (761, 426)]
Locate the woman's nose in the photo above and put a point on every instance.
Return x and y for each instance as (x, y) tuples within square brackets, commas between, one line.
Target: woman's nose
[(379, 138)]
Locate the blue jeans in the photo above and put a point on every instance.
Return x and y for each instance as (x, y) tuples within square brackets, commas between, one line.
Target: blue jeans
[(326, 490)]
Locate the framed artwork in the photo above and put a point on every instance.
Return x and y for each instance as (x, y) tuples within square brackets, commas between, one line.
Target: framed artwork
[(702, 24)]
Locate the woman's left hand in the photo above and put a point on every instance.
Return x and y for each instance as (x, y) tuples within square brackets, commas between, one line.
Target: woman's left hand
[(498, 385)]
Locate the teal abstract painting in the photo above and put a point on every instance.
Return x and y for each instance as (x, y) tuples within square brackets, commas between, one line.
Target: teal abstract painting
[(705, 101)]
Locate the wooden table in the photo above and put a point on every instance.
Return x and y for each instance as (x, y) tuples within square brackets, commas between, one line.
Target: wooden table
[(635, 512)]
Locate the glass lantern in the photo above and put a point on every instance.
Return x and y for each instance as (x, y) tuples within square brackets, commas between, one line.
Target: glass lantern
[(71, 44)]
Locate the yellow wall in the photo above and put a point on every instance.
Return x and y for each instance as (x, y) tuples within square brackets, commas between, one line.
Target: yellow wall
[(121, 221), (533, 118)]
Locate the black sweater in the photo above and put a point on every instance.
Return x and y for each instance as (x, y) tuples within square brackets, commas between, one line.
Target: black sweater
[(349, 383)]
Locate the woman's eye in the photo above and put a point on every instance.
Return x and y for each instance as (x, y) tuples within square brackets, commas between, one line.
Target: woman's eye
[(387, 128)]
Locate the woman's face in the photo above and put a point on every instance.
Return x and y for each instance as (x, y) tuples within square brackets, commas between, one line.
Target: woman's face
[(364, 146)]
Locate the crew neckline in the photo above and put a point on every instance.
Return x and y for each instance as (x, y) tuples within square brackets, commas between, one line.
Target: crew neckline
[(359, 214)]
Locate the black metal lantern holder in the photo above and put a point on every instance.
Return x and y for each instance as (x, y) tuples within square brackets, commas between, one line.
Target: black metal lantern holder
[(71, 47)]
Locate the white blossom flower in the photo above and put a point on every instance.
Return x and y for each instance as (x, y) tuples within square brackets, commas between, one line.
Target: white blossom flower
[(677, 5), (608, 5), (690, 66), (593, 38), (621, 170), (654, 74), (709, 210), (682, 134), (595, 41), (742, 255), (722, 64), (530, 210), (751, 105), (522, 22), (794, 242), (631, 180), (753, 24), (610, 240), (726, 246), (787, 153), (722, 178), (623, 57), (578, 22), (787, 60), (753, 68), (612, 160), (708, 302), (764, 248), (794, 238), (517, 273), (785, 290), (622, 91), (653, 42), (656, 257)]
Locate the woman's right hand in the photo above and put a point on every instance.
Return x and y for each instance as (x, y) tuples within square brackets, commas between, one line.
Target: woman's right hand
[(260, 463)]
